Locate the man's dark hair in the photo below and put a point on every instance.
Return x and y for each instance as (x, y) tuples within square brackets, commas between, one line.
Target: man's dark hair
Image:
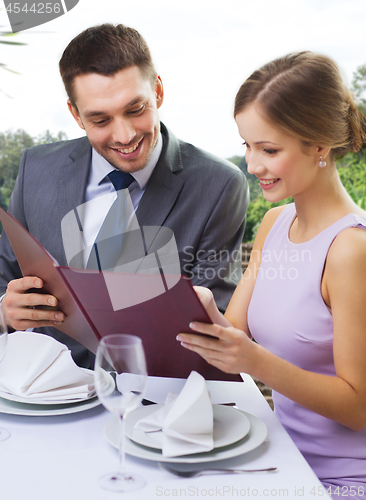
[(105, 50)]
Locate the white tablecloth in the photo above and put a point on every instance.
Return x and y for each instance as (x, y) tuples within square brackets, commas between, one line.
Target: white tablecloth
[(62, 457)]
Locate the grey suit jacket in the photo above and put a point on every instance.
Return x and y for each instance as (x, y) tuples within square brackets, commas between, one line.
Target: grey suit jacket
[(202, 199)]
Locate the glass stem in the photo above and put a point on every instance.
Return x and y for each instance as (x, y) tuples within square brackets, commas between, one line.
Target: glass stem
[(122, 467)]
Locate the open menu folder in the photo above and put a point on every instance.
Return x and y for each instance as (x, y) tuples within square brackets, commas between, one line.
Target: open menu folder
[(85, 300)]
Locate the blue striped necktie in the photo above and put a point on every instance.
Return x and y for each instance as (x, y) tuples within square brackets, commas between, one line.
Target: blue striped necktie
[(120, 180)]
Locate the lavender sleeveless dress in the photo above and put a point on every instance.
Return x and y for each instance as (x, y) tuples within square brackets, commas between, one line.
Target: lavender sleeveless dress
[(287, 316)]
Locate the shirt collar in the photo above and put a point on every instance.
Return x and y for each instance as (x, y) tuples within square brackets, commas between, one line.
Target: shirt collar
[(100, 167)]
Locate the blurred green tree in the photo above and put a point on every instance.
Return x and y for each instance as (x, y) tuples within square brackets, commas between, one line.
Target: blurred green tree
[(12, 146), (359, 86)]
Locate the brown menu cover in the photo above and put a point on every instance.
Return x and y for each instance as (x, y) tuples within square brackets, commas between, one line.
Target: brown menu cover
[(85, 300)]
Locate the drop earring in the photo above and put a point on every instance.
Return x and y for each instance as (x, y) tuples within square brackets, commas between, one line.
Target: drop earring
[(322, 163)]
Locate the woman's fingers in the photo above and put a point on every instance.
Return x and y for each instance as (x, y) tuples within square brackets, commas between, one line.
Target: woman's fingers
[(208, 329), (205, 295), (230, 349)]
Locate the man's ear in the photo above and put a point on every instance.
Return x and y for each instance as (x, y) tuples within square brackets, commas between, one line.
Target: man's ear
[(159, 92), (75, 113)]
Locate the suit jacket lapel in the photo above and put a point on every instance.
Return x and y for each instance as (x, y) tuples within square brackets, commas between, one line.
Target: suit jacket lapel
[(73, 177), (72, 183), (163, 187)]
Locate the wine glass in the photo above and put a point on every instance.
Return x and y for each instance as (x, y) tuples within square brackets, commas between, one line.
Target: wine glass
[(4, 434), (120, 380)]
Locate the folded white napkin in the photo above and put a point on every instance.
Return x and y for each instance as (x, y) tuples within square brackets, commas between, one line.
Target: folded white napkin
[(186, 420), (38, 367)]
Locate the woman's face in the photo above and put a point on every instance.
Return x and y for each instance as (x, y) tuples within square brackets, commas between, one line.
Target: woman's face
[(280, 161)]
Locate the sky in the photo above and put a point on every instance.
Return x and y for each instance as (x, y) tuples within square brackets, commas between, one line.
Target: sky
[(203, 50)]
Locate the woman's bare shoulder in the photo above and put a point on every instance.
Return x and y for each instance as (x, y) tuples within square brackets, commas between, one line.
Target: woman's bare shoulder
[(348, 249), (266, 225)]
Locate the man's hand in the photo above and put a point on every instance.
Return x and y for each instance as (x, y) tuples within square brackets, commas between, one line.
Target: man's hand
[(24, 308)]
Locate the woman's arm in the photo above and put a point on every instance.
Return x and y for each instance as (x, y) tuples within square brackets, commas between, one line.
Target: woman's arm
[(341, 398)]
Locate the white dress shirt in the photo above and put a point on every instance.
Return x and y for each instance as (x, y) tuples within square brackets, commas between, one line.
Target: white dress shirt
[(100, 192)]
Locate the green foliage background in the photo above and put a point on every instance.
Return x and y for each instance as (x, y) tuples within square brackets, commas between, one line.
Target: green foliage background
[(12, 146)]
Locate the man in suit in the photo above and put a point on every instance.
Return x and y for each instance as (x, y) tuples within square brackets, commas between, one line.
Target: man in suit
[(114, 94)]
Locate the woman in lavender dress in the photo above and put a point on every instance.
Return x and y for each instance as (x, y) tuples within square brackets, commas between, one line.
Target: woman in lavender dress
[(303, 296)]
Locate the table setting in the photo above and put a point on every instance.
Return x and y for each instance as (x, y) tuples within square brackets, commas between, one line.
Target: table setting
[(38, 377), (187, 428), (114, 432)]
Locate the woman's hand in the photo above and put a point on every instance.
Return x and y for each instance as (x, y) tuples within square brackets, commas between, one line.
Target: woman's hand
[(231, 350), (207, 299), (205, 295)]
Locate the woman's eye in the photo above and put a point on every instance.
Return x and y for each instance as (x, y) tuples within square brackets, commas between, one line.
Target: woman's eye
[(270, 151), (246, 144)]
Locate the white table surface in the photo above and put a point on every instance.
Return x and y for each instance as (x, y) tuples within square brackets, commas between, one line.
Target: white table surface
[(62, 457)]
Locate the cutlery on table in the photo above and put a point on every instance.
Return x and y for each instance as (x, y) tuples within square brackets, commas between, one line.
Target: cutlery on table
[(147, 402), (194, 473)]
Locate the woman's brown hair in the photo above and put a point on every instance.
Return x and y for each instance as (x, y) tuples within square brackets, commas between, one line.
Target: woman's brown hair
[(304, 94)]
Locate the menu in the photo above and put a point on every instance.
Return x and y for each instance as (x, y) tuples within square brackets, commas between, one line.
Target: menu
[(84, 296)]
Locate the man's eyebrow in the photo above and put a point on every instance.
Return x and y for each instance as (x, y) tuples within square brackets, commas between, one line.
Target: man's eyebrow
[(90, 114), (136, 100), (265, 142)]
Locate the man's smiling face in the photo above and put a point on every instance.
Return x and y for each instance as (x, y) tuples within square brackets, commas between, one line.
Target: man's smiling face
[(119, 114)]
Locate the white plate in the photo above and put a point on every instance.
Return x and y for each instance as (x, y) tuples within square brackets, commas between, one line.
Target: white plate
[(255, 437), (31, 410), (48, 402), (38, 401), (229, 427)]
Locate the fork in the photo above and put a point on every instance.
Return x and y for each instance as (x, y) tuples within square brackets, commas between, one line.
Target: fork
[(195, 473)]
